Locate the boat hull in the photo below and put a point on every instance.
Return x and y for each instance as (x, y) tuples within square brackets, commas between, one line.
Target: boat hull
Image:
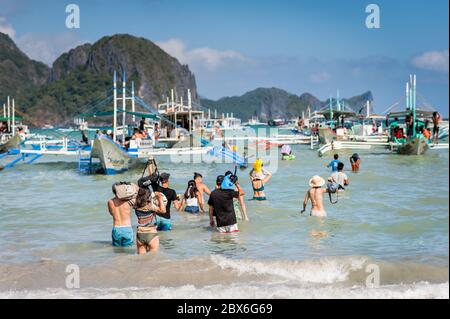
[(326, 135), (112, 157), (13, 143), (415, 146)]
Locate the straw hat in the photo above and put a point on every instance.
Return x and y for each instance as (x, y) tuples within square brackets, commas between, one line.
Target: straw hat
[(316, 181)]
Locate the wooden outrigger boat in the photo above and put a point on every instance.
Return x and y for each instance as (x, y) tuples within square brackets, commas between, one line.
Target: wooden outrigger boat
[(415, 143), (115, 159), (12, 143)]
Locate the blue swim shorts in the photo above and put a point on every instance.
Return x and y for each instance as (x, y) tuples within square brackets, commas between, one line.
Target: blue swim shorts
[(192, 209), (122, 236), (163, 224)]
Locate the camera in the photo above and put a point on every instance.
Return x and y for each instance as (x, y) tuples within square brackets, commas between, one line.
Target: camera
[(144, 182), (233, 177), (334, 187), (154, 178)]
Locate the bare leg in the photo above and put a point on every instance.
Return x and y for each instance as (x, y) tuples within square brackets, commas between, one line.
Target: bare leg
[(140, 248), (244, 208), (200, 204), (154, 245)]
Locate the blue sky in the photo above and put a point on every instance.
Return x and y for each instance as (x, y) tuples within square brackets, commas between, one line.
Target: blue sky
[(235, 46)]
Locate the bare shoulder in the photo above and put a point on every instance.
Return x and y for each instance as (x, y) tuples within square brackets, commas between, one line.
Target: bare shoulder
[(111, 203)]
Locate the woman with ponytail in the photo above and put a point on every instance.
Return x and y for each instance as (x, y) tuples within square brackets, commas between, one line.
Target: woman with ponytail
[(192, 200)]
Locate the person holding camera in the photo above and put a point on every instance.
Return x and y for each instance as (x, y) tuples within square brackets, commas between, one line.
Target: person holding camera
[(340, 177), (239, 204), (221, 204), (160, 183)]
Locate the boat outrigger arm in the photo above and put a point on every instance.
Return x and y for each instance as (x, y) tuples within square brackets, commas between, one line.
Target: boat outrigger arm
[(386, 146)]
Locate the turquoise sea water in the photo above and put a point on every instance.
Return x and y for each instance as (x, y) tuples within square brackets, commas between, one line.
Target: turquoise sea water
[(394, 214)]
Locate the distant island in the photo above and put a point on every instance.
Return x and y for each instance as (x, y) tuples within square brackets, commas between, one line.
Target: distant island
[(270, 103), (83, 75)]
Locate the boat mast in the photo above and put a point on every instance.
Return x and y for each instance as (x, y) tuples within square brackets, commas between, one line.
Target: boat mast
[(367, 109), (414, 105), (190, 111), (9, 115), (133, 106), (331, 113), (338, 103), (13, 126), (115, 107), (124, 101), (407, 96)]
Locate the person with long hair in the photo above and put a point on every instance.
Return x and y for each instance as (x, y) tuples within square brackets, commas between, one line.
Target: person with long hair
[(192, 200), (147, 205)]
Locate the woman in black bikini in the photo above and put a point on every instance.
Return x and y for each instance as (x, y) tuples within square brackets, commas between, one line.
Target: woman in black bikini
[(259, 177)]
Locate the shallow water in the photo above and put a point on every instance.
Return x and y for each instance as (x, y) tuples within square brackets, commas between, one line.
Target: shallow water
[(395, 213)]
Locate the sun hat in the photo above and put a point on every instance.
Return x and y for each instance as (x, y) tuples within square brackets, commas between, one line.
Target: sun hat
[(219, 180), (316, 181)]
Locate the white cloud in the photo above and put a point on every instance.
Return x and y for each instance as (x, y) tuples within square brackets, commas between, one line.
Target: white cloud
[(205, 57), (432, 60), (47, 48), (6, 28), (41, 47), (320, 77)]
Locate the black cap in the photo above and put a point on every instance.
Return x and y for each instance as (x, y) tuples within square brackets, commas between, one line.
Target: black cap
[(165, 176), (219, 180)]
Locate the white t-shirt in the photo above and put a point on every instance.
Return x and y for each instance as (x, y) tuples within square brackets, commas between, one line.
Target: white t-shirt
[(339, 177)]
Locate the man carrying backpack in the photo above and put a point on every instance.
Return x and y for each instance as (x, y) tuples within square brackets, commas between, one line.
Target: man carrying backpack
[(120, 209)]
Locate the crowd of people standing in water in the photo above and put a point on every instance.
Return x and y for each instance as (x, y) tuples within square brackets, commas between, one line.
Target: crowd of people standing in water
[(421, 127), (152, 200), (139, 133)]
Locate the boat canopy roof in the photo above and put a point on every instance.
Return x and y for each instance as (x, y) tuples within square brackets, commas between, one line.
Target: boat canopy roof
[(111, 113), (419, 113), (5, 118), (376, 117), (337, 114)]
